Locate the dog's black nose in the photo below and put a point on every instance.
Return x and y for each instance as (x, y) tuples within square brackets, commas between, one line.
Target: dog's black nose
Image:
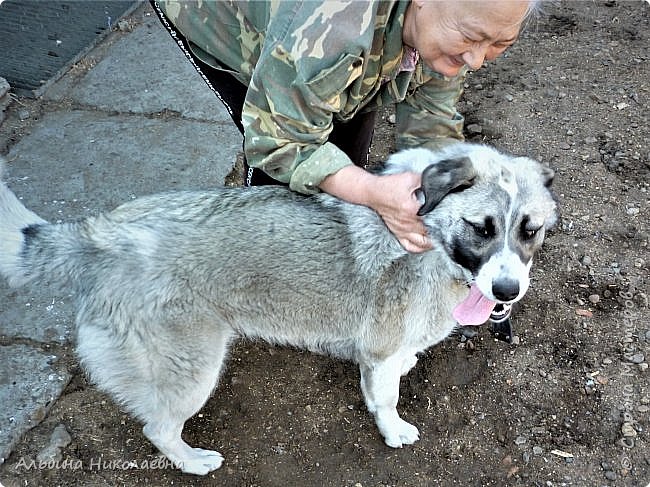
[(505, 289)]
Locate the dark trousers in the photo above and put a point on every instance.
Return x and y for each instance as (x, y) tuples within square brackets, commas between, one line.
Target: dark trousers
[(352, 137)]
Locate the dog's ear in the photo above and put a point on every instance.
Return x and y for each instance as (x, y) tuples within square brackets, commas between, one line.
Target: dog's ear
[(548, 175), (444, 177)]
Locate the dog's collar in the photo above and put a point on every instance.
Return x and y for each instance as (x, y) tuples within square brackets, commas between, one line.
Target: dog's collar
[(501, 324), (501, 312)]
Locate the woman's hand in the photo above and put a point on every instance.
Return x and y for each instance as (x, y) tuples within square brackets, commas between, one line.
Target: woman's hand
[(391, 196)]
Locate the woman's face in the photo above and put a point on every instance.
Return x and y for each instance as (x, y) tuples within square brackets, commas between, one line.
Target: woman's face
[(451, 34)]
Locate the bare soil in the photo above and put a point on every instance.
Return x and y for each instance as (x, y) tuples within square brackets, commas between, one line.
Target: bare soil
[(565, 406)]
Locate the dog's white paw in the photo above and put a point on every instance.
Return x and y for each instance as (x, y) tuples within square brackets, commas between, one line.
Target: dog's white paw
[(400, 433), (201, 462)]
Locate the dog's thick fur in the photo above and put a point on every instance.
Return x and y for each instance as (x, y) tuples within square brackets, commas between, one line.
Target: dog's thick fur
[(165, 282)]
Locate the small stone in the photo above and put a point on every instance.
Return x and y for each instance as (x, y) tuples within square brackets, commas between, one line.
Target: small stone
[(637, 358), (520, 440), (562, 454), (591, 140), (594, 298), (628, 430), (508, 97), (610, 475), (50, 453), (586, 260), (607, 361), (279, 449), (632, 211), (124, 25), (602, 380), (4, 86), (475, 128), (391, 118), (538, 450), (468, 332), (597, 98), (60, 437), (564, 146), (23, 114), (643, 367)]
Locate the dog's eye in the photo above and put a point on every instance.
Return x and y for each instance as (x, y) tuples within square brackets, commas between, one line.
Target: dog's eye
[(484, 230), (528, 230), (529, 233)]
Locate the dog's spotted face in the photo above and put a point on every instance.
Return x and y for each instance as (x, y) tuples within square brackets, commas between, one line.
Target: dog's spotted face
[(489, 212)]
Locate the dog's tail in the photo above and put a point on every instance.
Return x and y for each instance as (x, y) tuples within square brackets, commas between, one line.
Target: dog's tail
[(19, 228)]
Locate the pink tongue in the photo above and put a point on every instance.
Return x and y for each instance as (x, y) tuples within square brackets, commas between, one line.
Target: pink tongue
[(475, 309)]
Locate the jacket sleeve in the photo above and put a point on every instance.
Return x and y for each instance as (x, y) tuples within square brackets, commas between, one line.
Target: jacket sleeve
[(296, 89), (428, 116)]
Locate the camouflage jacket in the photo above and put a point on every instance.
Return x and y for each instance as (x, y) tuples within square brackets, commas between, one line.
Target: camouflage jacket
[(307, 63)]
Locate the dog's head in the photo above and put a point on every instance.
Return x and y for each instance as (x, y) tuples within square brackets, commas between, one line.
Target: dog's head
[(486, 210)]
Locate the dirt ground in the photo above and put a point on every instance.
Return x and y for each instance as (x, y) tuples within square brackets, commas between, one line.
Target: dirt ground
[(565, 406)]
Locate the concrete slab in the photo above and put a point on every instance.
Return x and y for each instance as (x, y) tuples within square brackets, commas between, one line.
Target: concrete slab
[(43, 314), (29, 385), (76, 163), (143, 72)]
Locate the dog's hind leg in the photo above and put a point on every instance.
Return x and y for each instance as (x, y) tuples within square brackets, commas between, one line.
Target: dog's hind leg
[(165, 434), (163, 378), (182, 394), (380, 387), (408, 363)]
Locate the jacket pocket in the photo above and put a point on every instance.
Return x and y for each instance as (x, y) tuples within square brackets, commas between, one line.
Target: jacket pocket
[(332, 81)]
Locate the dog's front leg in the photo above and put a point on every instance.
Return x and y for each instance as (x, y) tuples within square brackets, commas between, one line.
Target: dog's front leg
[(380, 387)]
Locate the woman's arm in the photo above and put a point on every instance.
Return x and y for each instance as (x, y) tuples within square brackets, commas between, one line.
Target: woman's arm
[(391, 196)]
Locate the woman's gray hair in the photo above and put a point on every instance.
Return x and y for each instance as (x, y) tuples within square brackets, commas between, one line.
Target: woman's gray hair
[(534, 8), (533, 12)]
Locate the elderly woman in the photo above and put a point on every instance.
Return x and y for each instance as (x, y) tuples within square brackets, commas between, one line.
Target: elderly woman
[(303, 82)]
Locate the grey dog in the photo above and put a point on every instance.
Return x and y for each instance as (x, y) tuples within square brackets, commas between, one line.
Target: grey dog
[(164, 283)]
